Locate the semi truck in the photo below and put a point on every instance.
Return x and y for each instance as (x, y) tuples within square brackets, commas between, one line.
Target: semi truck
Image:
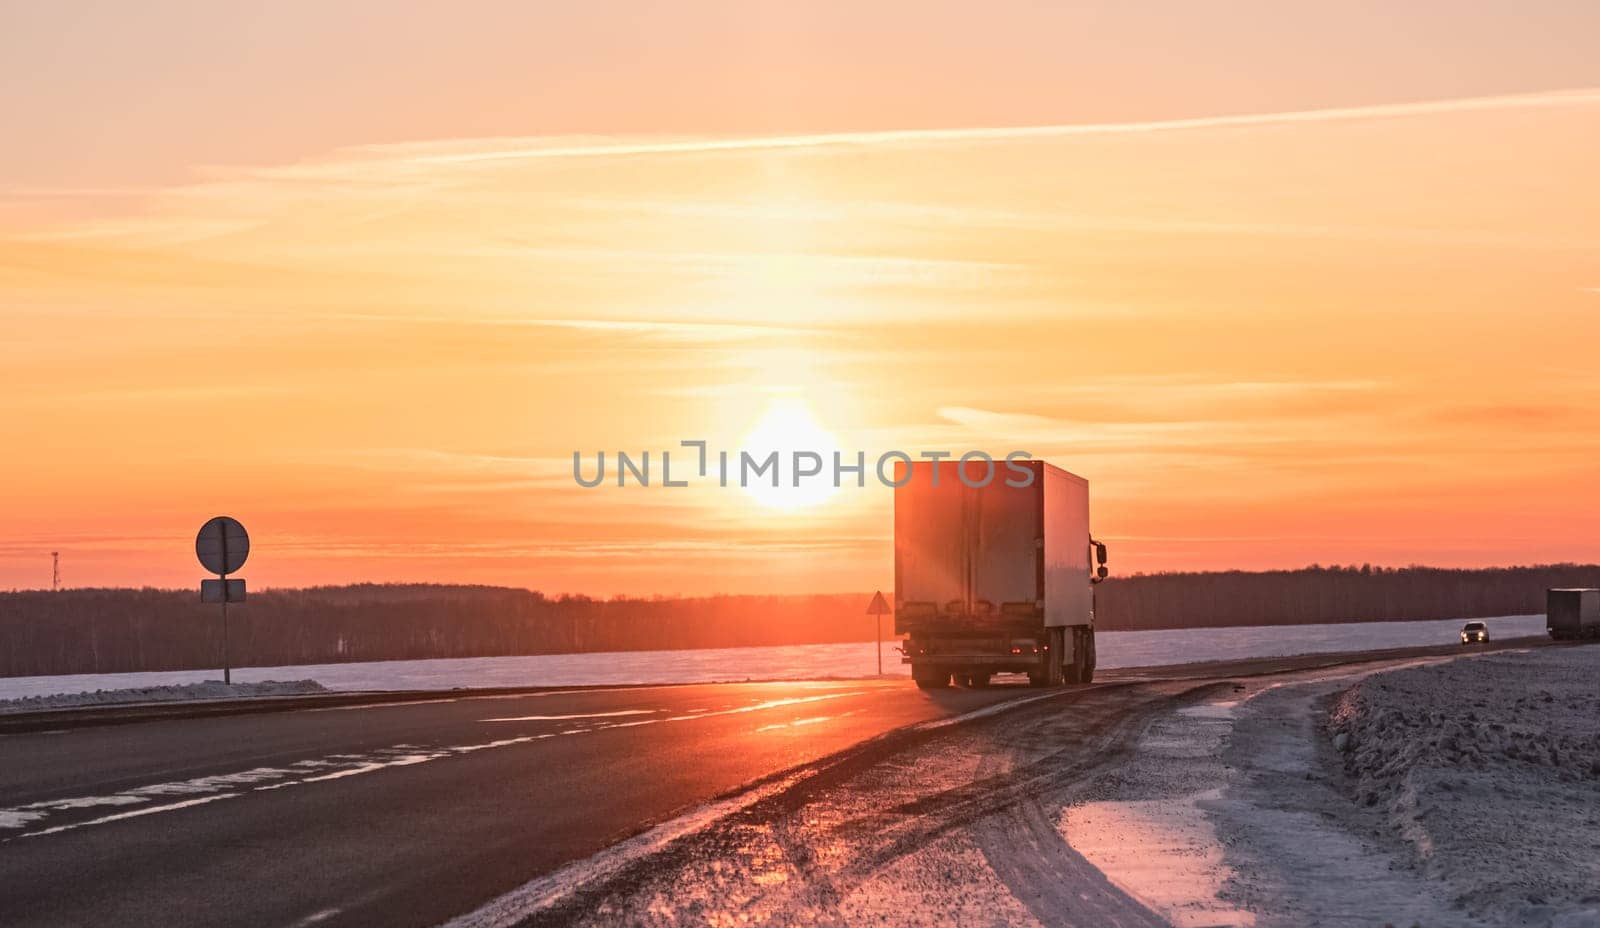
[(994, 572), (1572, 614)]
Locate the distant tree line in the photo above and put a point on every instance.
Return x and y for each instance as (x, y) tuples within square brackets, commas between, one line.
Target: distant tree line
[(119, 630), (1318, 594)]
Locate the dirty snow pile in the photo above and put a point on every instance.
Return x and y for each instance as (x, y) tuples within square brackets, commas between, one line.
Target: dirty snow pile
[(1489, 768), (209, 689)]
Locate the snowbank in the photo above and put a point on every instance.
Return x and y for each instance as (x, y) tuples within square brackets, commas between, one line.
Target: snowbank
[(209, 689), (1490, 769)]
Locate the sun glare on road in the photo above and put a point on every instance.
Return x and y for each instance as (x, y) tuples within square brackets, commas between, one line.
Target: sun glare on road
[(787, 426)]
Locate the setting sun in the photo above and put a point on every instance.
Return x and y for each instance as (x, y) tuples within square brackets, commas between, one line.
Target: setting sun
[(787, 427)]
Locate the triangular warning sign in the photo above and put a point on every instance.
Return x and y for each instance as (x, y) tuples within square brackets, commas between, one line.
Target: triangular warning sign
[(878, 606)]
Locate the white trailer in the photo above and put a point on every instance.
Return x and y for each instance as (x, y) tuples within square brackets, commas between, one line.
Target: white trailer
[(994, 573)]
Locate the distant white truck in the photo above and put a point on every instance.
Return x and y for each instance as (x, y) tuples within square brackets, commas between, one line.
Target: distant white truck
[(995, 576), (1572, 614)]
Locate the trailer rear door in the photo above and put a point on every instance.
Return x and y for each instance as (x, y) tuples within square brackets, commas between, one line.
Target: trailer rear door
[(1007, 542), (929, 542)]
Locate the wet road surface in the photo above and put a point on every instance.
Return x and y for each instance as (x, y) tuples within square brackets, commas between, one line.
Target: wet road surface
[(392, 814)]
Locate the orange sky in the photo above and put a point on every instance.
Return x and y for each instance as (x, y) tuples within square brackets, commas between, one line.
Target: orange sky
[(1284, 288)]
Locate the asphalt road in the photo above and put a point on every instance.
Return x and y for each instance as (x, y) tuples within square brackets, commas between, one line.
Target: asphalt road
[(394, 814), (411, 813)]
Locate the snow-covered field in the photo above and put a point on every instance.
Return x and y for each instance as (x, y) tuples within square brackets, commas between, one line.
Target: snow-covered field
[(851, 660)]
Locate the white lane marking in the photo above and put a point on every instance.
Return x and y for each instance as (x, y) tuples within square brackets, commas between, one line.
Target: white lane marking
[(769, 704), (503, 742), (17, 818), (583, 715), (405, 761), (703, 714), (737, 710), (386, 705), (20, 816), (88, 802), (347, 765), (225, 786), (330, 767), (135, 813), (529, 899), (798, 722), (316, 918)]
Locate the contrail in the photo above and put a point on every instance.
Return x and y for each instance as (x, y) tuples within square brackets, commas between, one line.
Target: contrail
[(1539, 100)]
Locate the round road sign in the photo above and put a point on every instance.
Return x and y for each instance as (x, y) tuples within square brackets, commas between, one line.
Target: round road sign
[(222, 545)]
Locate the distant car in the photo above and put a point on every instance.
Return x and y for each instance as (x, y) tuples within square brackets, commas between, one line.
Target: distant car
[(1474, 632)]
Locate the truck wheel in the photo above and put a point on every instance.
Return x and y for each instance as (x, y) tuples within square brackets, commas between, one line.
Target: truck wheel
[(930, 678), (1056, 670), (1072, 671), (979, 681), (1090, 659)]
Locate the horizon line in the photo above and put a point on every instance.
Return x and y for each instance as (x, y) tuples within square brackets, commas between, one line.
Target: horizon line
[(646, 597)]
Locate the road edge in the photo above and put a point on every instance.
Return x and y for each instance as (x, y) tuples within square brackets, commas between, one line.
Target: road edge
[(129, 713)]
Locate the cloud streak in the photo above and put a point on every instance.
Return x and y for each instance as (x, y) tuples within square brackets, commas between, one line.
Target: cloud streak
[(1587, 96)]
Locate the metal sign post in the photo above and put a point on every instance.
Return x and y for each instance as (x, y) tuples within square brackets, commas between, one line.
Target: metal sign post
[(878, 608), (222, 547)]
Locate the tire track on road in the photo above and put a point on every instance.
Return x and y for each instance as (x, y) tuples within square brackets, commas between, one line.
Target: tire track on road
[(805, 853)]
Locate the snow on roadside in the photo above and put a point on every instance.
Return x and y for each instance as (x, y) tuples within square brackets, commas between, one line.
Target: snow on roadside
[(1145, 828), (1300, 852), (1490, 770), (1225, 815), (208, 689)]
